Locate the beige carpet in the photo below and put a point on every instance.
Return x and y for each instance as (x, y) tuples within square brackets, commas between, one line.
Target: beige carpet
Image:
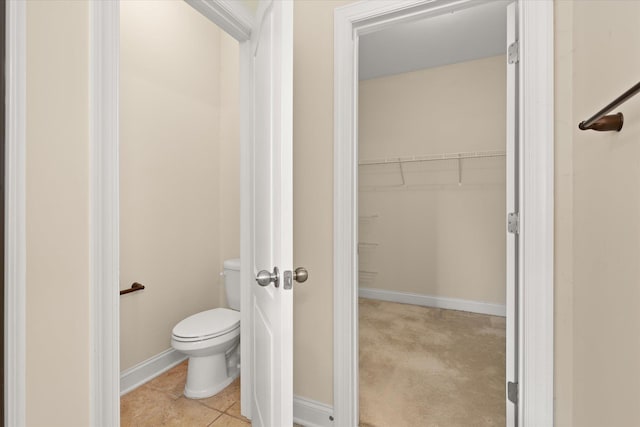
[(422, 366)]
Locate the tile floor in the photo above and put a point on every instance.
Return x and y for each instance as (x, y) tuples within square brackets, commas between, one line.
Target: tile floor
[(161, 402)]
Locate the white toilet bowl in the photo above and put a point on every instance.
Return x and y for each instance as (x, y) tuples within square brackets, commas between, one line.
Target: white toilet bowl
[(211, 339)]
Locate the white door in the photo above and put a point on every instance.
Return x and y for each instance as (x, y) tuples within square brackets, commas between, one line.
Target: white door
[(272, 189), (513, 220)]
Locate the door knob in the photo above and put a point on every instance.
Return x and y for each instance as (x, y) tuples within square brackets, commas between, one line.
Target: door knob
[(264, 277), (300, 275)]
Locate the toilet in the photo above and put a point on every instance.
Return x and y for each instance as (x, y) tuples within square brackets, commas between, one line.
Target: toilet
[(211, 339)]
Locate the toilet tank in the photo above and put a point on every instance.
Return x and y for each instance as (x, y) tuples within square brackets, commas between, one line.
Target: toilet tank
[(232, 282)]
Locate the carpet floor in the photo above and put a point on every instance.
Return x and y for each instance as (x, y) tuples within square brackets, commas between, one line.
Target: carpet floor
[(422, 366)]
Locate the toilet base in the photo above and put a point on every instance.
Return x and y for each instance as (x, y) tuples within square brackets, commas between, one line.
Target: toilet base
[(206, 376)]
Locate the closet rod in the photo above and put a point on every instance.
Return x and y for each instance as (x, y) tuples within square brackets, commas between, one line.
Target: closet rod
[(453, 156), (601, 123)]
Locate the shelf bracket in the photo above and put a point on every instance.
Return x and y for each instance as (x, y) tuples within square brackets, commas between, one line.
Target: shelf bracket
[(401, 172)]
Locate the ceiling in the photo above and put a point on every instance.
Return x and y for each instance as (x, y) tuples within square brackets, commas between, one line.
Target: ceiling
[(463, 35)]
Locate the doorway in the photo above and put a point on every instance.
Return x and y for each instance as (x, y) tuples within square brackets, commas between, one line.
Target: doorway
[(266, 73), (432, 246), (105, 242), (179, 213), (535, 175)]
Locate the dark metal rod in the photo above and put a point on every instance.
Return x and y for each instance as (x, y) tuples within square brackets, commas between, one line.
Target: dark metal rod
[(586, 124), (134, 287)]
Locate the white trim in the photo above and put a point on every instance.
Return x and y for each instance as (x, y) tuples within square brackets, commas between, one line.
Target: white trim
[(231, 16), (345, 230), (536, 219), (311, 413), (145, 371), (511, 240), (436, 302), (104, 209), (104, 213), (15, 217), (246, 225), (536, 197)]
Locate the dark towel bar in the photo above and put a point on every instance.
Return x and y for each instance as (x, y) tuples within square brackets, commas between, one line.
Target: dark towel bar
[(600, 122), (134, 287)]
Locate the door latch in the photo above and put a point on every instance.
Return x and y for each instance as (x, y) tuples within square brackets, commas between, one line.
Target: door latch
[(513, 223), (513, 53), (299, 275), (512, 392)]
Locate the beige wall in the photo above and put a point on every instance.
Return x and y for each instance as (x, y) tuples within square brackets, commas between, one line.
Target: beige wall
[(252, 5), (606, 208), (178, 146), (563, 201), (313, 197), (57, 365), (432, 236), (229, 154)]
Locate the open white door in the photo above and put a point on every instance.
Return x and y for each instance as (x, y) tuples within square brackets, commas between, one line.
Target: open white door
[(513, 217), (271, 305)]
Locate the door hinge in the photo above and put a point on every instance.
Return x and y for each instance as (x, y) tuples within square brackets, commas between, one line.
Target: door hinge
[(513, 53), (512, 392), (513, 223)]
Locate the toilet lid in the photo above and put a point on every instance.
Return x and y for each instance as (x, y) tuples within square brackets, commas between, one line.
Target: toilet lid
[(207, 324)]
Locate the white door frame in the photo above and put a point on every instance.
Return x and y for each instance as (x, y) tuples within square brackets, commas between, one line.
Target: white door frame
[(15, 216), (535, 33), (231, 17)]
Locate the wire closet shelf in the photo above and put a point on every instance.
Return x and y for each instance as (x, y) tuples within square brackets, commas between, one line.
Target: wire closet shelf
[(432, 158)]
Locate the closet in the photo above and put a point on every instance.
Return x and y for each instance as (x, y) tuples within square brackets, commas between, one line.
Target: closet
[(432, 183), (432, 247)]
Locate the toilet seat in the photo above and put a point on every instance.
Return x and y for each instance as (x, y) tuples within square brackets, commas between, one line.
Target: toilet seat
[(207, 325)]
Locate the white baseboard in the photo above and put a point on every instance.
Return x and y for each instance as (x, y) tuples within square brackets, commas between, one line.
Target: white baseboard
[(438, 302), (143, 372), (310, 413)]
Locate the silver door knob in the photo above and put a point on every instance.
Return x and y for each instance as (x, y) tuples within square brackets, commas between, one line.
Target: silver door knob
[(264, 277), (300, 275)]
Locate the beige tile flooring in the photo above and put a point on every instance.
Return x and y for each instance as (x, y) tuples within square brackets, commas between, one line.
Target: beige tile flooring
[(161, 402)]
